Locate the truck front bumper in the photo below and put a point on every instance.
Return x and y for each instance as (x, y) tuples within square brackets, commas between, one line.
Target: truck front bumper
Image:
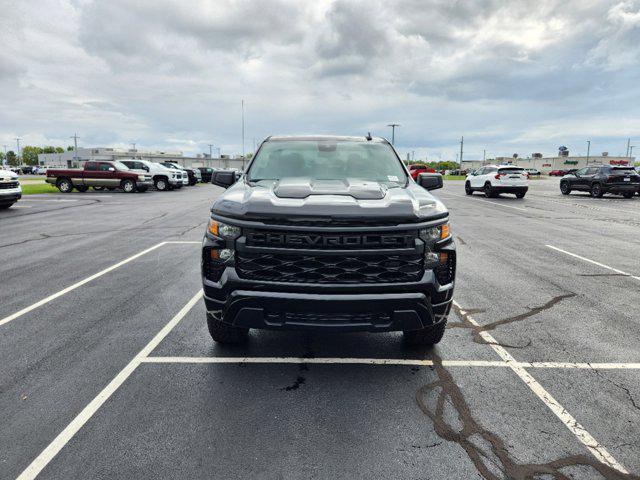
[(10, 196), (329, 307)]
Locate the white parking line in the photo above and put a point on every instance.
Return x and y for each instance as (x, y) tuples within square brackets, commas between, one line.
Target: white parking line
[(48, 200), (76, 424), (588, 260), (392, 361), (483, 200), (596, 449), (326, 360), (70, 288)]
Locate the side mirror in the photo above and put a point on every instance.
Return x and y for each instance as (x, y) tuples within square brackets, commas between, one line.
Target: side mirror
[(223, 178), (111, 169), (430, 181)]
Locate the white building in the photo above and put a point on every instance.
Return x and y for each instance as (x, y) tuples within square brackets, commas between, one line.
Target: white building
[(546, 164), (72, 159)]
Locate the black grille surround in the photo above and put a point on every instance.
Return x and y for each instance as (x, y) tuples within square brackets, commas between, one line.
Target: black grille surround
[(317, 257), (8, 185)]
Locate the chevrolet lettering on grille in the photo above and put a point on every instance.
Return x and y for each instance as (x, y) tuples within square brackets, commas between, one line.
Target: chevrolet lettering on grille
[(313, 240)]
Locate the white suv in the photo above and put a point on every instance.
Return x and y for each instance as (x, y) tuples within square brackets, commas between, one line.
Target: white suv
[(163, 178), (496, 179)]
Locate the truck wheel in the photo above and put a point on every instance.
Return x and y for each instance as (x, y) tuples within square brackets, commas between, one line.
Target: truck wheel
[(426, 336), (161, 184), (628, 194), (467, 189), (82, 188), (4, 206), (488, 191), (224, 333), (129, 186), (64, 185), (565, 188), (596, 190)]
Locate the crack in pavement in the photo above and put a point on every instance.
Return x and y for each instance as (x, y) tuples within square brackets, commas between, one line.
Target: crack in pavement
[(621, 387), (477, 329), (486, 450)]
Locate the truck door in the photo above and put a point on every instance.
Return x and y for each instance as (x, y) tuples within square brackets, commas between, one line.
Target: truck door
[(106, 175), (89, 174)]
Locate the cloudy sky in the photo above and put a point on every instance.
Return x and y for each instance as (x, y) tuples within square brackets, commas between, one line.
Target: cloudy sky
[(511, 76)]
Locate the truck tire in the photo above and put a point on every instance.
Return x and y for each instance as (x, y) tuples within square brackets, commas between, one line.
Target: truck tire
[(565, 188), (224, 333), (82, 188), (467, 188), (596, 190), (4, 206), (628, 194), (128, 185), (161, 183), (488, 190), (426, 336), (64, 185)]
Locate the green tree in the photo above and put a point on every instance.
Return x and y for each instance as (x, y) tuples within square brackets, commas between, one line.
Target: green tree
[(70, 148), (1, 159), (59, 150), (49, 149), (30, 155), (12, 158)]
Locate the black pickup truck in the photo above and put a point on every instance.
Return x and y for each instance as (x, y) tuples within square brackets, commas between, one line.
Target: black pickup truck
[(332, 234)]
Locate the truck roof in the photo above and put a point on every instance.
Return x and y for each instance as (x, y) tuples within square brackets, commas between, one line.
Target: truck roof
[(319, 138)]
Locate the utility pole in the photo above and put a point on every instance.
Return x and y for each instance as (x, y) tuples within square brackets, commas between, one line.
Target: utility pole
[(628, 144), (18, 142), (461, 150), (631, 155), (133, 145), (588, 150), (210, 152), (393, 132), (484, 156), (75, 146), (242, 135)]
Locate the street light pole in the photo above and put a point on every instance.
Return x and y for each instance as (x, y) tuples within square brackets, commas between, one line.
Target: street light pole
[(393, 132), (18, 142), (242, 135), (588, 150), (75, 147), (134, 146), (461, 149)]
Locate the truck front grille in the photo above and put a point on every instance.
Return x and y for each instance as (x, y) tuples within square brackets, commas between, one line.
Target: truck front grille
[(8, 185), (337, 269)]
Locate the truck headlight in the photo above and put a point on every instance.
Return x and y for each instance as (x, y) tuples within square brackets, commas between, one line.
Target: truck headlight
[(434, 234), (223, 230)]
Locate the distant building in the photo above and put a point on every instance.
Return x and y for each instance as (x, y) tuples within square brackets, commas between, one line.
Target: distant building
[(69, 160), (546, 164)]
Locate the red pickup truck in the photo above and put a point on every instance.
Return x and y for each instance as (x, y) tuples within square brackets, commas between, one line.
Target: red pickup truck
[(99, 175), (415, 170)]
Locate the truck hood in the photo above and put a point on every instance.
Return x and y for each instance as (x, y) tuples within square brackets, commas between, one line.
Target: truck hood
[(323, 201)]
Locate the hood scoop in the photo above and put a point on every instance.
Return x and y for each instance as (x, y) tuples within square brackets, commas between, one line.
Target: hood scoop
[(299, 187)]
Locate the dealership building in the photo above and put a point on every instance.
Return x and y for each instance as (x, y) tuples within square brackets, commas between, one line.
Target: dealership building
[(546, 164), (75, 159)]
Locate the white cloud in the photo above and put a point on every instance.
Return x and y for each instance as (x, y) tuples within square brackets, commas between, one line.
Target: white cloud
[(518, 75)]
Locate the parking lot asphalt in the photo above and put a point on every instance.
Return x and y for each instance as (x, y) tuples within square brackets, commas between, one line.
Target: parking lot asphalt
[(107, 369)]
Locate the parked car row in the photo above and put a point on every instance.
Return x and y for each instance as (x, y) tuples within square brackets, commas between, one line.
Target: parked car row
[(128, 174)]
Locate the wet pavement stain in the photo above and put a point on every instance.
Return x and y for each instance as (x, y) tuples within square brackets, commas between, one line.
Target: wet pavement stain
[(477, 329), (486, 450)]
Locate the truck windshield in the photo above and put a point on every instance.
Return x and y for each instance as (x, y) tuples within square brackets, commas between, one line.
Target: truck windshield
[(120, 166), (327, 160)]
